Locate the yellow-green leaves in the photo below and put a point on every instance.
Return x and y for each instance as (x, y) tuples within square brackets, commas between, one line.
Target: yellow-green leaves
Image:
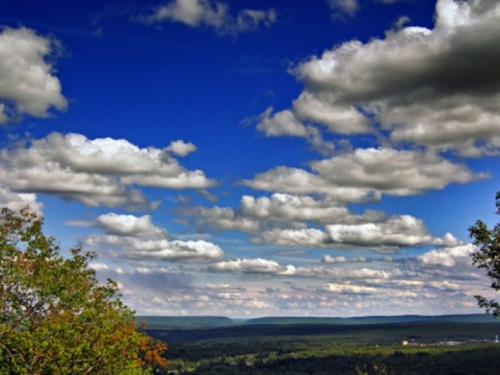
[(488, 257), (55, 318)]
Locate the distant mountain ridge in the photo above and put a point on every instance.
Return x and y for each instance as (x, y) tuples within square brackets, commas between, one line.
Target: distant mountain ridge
[(185, 321), (162, 322)]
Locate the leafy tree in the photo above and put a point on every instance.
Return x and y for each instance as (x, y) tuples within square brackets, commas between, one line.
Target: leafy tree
[(488, 257), (55, 318)]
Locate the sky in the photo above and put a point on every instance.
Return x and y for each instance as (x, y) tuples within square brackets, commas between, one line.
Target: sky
[(259, 158)]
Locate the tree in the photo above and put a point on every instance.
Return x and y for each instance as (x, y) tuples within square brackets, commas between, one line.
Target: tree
[(55, 317), (488, 257)]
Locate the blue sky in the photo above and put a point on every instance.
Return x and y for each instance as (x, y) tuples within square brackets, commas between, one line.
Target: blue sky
[(252, 158)]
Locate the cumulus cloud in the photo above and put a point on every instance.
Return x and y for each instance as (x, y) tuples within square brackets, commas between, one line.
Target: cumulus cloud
[(402, 230), (93, 172), (287, 207), (181, 148), (280, 124), (395, 172), (365, 174), (390, 235), (137, 238), (288, 123), (279, 210), (196, 13), (322, 108), (172, 251), (253, 266), (130, 226), (299, 181), (448, 257), (436, 87), (225, 218), (28, 85), (17, 201), (310, 237)]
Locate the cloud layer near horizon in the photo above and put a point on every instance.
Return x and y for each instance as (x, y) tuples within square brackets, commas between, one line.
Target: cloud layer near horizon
[(319, 288)]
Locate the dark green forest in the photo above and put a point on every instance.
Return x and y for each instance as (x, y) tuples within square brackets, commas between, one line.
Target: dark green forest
[(404, 348)]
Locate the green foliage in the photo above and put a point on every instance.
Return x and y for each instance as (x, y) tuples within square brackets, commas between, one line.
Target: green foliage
[(488, 257), (328, 349), (470, 359), (55, 318)]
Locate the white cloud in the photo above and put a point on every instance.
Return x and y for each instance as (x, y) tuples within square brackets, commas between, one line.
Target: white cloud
[(279, 210), (287, 123), (196, 13), (310, 237), (321, 108), (96, 266), (448, 257), (453, 123), (130, 225), (389, 235), (280, 124), (289, 207), (437, 87), (298, 181), (365, 174), (137, 238), (181, 148), (27, 82), (330, 259), (226, 219), (392, 171), (17, 201), (252, 266), (93, 172), (403, 230)]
